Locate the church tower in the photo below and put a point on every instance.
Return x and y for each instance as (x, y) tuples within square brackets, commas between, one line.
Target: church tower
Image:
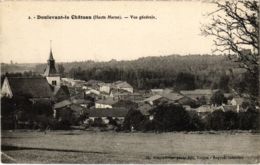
[(50, 72)]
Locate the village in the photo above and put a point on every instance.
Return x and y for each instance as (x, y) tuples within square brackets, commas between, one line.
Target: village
[(99, 102)]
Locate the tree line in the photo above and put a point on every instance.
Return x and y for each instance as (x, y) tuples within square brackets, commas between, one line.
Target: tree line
[(178, 72), (171, 117)]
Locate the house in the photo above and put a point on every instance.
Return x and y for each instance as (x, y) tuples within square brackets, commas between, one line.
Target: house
[(67, 81), (187, 101), (119, 94), (94, 84), (67, 111), (61, 93), (161, 91), (237, 101), (78, 83), (128, 104), (199, 93), (82, 102), (204, 110), (145, 109), (123, 85), (92, 91), (105, 103), (31, 88), (61, 104), (172, 96), (73, 83), (153, 100), (104, 114), (156, 91), (226, 108), (105, 87), (136, 97)]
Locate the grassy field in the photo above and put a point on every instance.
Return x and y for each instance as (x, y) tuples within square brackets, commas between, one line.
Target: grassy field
[(112, 147)]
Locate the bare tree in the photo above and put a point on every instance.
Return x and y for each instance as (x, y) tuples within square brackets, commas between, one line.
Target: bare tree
[(235, 27)]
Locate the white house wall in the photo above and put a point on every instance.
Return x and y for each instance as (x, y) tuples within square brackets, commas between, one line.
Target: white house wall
[(6, 90), (57, 79), (98, 105)]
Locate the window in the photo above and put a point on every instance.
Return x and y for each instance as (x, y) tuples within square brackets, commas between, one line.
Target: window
[(54, 83)]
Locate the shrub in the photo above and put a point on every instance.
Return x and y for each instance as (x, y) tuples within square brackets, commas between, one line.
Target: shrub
[(230, 120), (171, 117), (133, 119), (215, 120), (248, 120), (218, 98), (98, 122), (196, 122)]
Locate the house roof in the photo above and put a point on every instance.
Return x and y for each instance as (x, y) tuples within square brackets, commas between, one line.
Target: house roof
[(122, 84), (239, 100), (76, 108), (30, 87), (63, 88), (197, 92), (62, 104), (230, 108), (145, 108), (161, 91), (125, 103), (113, 112), (89, 91), (93, 82), (203, 108), (172, 96), (107, 101), (80, 101), (157, 90), (104, 84), (119, 92), (153, 98)]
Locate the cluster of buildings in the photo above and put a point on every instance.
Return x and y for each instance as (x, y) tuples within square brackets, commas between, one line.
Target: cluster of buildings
[(106, 100)]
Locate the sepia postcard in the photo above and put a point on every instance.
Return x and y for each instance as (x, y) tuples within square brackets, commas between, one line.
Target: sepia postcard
[(130, 82)]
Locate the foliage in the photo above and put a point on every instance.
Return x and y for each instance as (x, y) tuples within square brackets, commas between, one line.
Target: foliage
[(139, 73), (7, 113), (218, 98), (98, 122), (223, 83), (235, 26), (215, 120), (195, 122), (171, 117), (61, 69), (133, 119), (185, 81), (248, 120)]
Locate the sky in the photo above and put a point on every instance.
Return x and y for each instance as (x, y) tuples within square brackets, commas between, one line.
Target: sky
[(176, 30)]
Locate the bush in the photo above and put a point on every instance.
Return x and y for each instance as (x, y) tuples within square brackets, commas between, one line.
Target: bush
[(134, 120), (171, 117), (196, 122), (219, 120), (98, 122), (218, 98), (230, 120), (215, 120), (249, 120)]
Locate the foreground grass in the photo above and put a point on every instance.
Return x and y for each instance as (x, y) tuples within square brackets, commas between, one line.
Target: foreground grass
[(112, 147)]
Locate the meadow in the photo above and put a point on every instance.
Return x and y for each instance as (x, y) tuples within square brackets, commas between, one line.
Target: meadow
[(76, 146)]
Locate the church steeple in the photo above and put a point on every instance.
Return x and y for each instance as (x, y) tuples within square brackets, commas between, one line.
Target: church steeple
[(50, 69), (51, 55)]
